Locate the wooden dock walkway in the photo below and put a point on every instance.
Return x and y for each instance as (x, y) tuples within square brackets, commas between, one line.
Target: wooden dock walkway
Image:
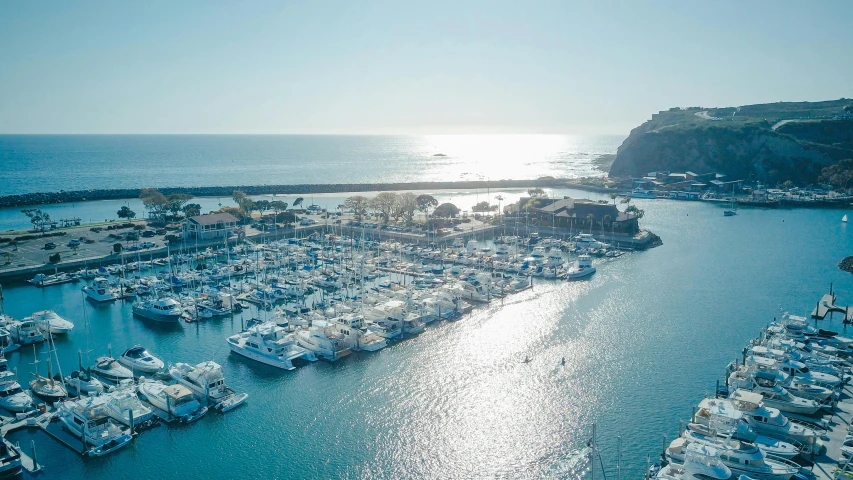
[(826, 305), (826, 465)]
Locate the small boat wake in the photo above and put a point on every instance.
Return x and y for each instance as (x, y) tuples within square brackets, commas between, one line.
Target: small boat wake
[(573, 465)]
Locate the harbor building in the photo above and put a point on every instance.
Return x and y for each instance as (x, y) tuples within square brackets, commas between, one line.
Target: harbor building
[(213, 225)]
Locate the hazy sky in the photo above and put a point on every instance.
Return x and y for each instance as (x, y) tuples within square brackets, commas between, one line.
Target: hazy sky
[(405, 67)]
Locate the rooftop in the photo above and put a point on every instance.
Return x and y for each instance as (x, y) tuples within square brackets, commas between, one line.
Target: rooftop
[(213, 218)]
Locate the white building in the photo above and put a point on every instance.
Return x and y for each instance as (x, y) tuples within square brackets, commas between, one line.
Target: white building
[(214, 225)]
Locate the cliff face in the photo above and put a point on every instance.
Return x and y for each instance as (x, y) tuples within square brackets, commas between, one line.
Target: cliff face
[(741, 147)]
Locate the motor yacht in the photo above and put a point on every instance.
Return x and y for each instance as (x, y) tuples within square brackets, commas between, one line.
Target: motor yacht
[(12, 397), (322, 339), (124, 406), (164, 310), (269, 344), (701, 462), (10, 460), (139, 360), (49, 322), (581, 268), (776, 396), (725, 431), (207, 383), (108, 368), (25, 332), (100, 291), (763, 419), (742, 458), (88, 419), (175, 400), (7, 345)]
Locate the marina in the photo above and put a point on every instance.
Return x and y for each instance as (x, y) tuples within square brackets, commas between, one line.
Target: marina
[(116, 316)]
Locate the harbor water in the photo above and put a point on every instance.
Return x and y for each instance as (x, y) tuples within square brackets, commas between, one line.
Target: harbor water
[(644, 339)]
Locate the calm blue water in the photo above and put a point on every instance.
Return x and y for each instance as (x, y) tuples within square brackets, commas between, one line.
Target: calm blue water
[(43, 163), (644, 340)]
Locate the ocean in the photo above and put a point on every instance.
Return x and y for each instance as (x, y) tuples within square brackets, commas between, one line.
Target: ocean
[(46, 163), (644, 340)]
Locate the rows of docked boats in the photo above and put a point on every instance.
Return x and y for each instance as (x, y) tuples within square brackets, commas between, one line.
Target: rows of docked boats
[(769, 413), (106, 403)]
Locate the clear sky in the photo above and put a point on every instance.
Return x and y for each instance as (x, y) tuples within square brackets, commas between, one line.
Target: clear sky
[(407, 67)]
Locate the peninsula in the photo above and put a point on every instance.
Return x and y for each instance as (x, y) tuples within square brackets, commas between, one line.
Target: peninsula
[(771, 143)]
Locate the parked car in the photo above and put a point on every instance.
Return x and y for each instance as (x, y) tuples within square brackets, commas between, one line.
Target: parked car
[(147, 244), (74, 243), (49, 246), (148, 233)]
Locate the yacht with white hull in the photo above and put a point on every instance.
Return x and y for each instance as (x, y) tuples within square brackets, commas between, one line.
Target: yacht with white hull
[(207, 383), (269, 344), (101, 291), (700, 463), (138, 359), (741, 457), (49, 322), (124, 406), (323, 340), (87, 418), (164, 310), (581, 268), (175, 400), (12, 397)]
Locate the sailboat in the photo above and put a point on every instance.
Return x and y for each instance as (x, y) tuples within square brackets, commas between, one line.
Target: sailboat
[(844, 219)]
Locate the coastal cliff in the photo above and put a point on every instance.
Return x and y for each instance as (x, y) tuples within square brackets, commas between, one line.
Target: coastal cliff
[(771, 142)]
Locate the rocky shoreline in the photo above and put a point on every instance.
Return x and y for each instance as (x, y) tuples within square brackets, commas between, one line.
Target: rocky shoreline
[(846, 264), (62, 196)]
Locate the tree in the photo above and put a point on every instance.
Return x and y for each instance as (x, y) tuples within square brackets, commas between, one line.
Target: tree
[(407, 205), (605, 222), (192, 210), (385, 203), (632, 209), (155, 203), (277, 206), (484, 207), (54, 258), (536, 192), (39, 219), (613, 196), (126, 212), (262, 206), (446, 210), (425, 204), (297, 202), (590, 218), (357, 205), (177, 202), (838, 175), (243, 202), (117, 247)]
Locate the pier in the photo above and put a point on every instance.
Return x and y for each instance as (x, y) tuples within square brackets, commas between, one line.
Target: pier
[(826, 306)]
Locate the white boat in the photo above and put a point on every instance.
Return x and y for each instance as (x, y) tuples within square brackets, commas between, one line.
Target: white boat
[(100, 291), (741, 457), (321, 339), (47, 388), (555, 258), (138, 359), (269, 344), (765, 383), (770, 446), (701, 462), (357, 336), (88, 419), (641, 193), (7, 344), (581, 268), (81, 383), (12, 397), (124, 406), (844, 219), (25, 332), (175, 400), (10, 460), (109, 369), (766, 420), (49, 321), (165, 310), (207, 382)]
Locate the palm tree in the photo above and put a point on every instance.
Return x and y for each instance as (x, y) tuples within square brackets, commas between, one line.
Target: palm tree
[(605, 221), (590, 218), (297, 202)]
